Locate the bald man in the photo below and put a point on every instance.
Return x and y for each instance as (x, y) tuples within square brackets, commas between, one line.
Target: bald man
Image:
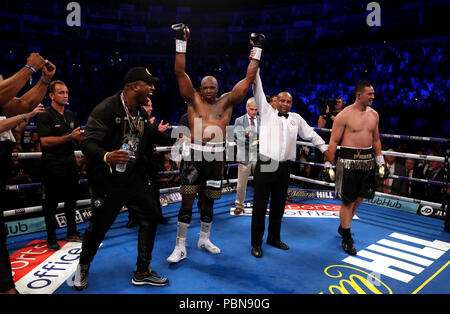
[(277, 148), (208, 117)]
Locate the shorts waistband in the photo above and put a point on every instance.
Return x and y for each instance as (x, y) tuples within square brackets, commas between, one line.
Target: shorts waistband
[(356, 153), (208, 147), (193, 141)]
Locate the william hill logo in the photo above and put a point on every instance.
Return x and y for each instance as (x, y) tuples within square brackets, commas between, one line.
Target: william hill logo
[(312, 194)]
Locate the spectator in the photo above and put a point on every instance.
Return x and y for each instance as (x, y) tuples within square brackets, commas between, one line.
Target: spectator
[(447, 214), (415, 189), (273, 101), (246, 129), (390, 185), (18, 174), (435, 172), (168, 165)]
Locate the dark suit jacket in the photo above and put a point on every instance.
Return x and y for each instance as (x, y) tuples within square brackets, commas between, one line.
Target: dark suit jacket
[(433, 192), (398, 187), (417, 188)]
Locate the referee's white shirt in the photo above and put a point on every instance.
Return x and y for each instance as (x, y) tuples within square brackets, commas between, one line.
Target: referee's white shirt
[(278, 135)]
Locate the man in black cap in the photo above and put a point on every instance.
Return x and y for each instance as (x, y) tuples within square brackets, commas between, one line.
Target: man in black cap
[(117, 138)]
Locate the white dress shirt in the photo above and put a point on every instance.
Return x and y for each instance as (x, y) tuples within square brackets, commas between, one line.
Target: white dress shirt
[(278, 135), (389, 181)]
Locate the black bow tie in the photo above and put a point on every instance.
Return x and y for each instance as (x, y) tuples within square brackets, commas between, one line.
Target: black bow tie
[(286, 115)]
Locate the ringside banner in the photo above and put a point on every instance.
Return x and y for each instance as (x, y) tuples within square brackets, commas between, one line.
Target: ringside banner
[(37, 270)]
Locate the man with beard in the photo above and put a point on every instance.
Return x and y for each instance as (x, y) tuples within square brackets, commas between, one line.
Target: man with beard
[(117, 140)]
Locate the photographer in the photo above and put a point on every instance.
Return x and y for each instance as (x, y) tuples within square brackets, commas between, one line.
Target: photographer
[(329, 109)]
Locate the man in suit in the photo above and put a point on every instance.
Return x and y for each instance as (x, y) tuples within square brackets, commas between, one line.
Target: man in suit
[(414, 189), (435, 172), (390, 185), (246, 130)]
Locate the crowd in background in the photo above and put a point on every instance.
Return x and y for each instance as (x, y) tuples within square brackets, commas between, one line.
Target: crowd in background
[(411, 80)]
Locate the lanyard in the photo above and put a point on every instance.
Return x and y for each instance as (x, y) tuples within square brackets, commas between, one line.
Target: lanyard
[(133, 126)]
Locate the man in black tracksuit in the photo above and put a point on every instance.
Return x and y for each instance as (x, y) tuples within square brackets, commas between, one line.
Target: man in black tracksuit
[(116, 120)]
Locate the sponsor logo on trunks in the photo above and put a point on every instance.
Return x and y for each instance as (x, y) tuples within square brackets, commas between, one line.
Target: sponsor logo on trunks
[(358, 155), (398, 258), (214, 183), (300, 211)]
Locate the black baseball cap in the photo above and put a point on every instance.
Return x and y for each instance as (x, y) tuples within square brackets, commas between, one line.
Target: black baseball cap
[(140, 74)]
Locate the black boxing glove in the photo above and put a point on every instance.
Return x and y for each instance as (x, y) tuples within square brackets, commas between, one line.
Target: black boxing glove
[(328, 174), (257, 41), (181, 32), (383, 171)]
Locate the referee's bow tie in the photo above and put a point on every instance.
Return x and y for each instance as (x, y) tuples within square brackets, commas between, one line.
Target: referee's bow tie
[(286, 115)]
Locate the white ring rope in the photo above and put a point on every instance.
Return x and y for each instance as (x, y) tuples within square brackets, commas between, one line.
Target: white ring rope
[(397, 197), (34, 155), (86, 202), (169, 148)]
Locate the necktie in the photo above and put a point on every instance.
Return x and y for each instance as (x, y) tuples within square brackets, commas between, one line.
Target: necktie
[(252, 123), (386, 182), (286, 115), (410, 175)]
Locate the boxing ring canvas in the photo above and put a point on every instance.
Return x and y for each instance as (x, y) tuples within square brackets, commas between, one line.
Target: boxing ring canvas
[(398, 253)]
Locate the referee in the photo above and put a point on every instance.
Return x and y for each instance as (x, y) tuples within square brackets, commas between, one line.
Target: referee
[(277, 147), (59, 131)]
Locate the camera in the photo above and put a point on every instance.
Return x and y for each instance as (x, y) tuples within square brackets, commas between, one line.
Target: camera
[(331, 103)]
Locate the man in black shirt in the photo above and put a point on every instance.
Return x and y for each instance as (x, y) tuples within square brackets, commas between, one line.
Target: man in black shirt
[(119, 120), (59, 131), (326, 120)]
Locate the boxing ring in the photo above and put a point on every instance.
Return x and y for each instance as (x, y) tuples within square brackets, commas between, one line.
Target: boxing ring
[(399, 251)]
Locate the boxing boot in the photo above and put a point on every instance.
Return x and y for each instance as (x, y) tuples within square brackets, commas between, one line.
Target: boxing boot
[(205, 244), (203, 241), (179, 253), (347, 245)]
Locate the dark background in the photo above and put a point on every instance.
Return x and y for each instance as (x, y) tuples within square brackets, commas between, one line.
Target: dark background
[(314, 49)]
